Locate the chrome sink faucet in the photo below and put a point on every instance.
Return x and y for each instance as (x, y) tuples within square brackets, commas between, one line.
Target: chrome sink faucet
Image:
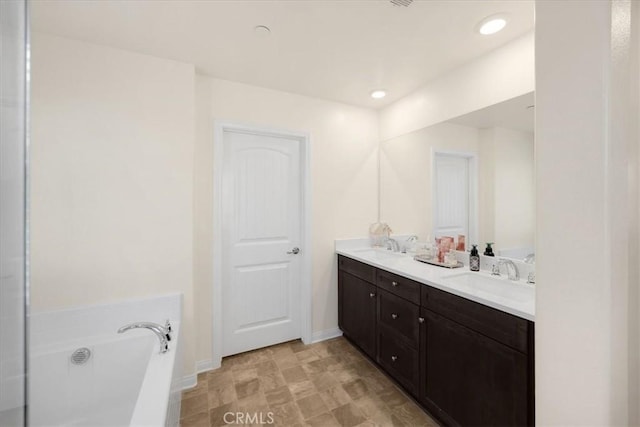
[(162, 332), (392, 245), (512, 269)]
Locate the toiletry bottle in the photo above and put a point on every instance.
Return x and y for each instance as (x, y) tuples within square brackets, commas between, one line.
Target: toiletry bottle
[(489, 250), (474, 259)]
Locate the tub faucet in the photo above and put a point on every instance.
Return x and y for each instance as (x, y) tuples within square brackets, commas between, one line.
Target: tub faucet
[(160, 331)]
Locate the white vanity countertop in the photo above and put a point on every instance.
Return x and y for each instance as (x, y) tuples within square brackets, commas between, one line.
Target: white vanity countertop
[(517, 298)]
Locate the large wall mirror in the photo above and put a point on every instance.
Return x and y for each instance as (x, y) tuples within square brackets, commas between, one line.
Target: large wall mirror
[(471, 175)]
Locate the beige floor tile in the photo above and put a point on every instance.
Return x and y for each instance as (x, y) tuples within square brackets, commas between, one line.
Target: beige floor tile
[(247, 388), (325, 384), (294, 375), (287, 414), (348, 415), (194, 405), (219, 416), (247, 374), (271, 381), (199, 389), (324, 420), (311, 406), (287, 361), (392, 397), (334, 397), (278, 396), (197, 420), (222, 394), (306, 356), (323, 381), (266, 367), (356, 388), (302, 389)]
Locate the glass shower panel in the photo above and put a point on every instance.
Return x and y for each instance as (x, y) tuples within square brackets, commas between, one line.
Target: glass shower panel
[(13, 103)]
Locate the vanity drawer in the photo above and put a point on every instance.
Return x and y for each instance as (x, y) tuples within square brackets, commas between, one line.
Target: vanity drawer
[(400, 361), (400, 316), (357, 268), (400, 286), (498, 325)]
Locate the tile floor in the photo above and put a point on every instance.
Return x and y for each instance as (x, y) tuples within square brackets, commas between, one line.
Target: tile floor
[(291, 384)]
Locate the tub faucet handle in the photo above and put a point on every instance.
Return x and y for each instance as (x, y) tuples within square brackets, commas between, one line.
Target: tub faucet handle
[(168, 329)]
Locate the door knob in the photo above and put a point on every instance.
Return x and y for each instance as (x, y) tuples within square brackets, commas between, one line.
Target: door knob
[(394, 284), (394, 358), (294, 251), (394, 316), (371, 295)]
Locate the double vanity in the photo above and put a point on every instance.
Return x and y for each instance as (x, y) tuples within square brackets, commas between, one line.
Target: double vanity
[(459, 342)]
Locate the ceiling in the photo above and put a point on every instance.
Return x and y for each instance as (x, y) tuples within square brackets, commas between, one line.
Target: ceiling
[(333, 49), (517, 113)]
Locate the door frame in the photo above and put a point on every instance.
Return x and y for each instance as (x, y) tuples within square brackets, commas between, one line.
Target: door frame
[(473, 213), (306, 299)]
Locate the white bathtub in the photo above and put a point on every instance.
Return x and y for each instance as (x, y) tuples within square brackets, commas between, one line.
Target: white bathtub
[(125, 381)]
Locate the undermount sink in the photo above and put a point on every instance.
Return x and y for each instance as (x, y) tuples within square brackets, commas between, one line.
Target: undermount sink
[(483, 285), (378, 254)]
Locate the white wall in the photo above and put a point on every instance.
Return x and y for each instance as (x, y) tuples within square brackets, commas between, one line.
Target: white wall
[(503, 74), (344, 180), (405, 174), (585, 125), (13, 106), (112, 149), (507, 199)]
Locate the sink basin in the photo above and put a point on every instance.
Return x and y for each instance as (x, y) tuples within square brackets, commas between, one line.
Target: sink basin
[(378, 254), (487, 286)]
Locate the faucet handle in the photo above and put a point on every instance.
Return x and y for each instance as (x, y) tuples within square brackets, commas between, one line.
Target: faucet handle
[(168, 329), (495, 269)]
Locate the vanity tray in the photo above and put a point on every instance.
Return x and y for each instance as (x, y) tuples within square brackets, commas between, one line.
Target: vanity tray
[(439, 264)]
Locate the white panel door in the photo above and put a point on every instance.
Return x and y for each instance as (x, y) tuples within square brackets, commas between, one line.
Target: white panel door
[(451, 195), (262, 218)]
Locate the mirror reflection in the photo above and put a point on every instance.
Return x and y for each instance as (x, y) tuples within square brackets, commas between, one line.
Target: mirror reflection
[(472, 175)]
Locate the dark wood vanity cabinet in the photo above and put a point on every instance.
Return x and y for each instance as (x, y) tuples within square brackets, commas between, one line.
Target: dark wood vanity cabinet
[(357, 307), (466, 363), (476, 363), (399, 339)]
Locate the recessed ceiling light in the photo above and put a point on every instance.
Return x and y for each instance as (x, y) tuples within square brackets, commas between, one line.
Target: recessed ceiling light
[(379, 93), (261, 31), (492, 24)]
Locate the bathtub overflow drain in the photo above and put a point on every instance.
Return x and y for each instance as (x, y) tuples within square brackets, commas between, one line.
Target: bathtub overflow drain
[(80, 356)]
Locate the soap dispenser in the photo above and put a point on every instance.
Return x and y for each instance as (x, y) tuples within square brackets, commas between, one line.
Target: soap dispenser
[(489, 250), (474, 259)]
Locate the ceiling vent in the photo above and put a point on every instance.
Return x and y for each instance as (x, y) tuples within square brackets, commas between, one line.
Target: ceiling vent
[(403, 3)]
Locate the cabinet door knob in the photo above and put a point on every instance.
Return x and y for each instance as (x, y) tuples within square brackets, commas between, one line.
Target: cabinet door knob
[(420, 319), (371, 295), (394, 316), (394, 284), (394, 358)]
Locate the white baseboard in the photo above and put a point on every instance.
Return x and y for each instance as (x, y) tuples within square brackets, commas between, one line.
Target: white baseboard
[(327, 334), (189, 381), (204, 366)]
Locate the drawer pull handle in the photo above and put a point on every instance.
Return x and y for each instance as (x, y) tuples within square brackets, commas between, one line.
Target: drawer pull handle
[(394, 316), (420, 319), (394, 358), (371, 295), (394, 284)]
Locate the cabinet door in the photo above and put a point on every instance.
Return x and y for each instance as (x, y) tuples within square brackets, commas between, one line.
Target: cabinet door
[(357, 311), (472, 379)]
